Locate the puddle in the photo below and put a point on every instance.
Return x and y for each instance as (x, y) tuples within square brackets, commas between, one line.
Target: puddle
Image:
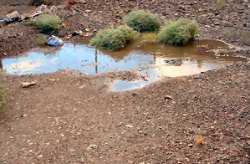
[(151, 61)]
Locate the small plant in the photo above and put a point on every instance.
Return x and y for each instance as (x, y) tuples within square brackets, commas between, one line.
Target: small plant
[(149, 37), (114, 39), (48, 24), (111, 39), (41, 39), (200, 140), (219, 4), (128, 33), (40, 2), (142, 21), (178, 32)]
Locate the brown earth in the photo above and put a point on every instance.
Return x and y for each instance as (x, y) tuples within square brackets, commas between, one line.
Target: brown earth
[(69, 117)]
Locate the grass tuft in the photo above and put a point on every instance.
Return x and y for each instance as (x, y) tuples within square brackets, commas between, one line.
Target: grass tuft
[(142, 21), (178, 32), (200, 140), (114, 39), (128, 33), (41, 39), (111, 39), (48, 24), (149, 37)]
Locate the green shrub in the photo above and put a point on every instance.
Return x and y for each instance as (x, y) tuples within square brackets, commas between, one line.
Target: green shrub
[(128, 33), (178, 32), (41, 40), (111, 39), (40, 2), (48, 23), (149, 37), (142, 21), (114, 39)]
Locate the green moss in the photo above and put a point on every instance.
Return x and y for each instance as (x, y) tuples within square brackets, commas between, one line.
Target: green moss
[(178, 32), (48, 23), (142, 21)]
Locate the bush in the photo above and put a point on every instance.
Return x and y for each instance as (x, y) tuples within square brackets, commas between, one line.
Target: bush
[(114, 39), (142, 21), (40, 2), (149, 37), (41, 40), (128, 33), (178, 32), (111, 39), (48, 24)]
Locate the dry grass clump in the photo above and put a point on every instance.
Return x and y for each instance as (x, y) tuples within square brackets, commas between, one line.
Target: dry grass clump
[(114, 39), (48, 23), (200, 140), (149, 37), (142, 21), (178, 32)]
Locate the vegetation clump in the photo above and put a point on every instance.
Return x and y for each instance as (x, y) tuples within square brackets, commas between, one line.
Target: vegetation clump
[(142, 21), (149, 37), (42, 39), (48, 24), (128, 33), (114, 39), (178, 32)]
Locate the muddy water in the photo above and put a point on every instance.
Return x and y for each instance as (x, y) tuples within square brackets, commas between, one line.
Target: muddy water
[(148, 60)]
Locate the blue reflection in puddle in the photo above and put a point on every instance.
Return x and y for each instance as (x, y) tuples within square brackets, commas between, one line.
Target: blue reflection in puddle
[(81, 57)]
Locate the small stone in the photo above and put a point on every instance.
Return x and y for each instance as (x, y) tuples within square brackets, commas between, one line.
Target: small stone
[(52, 80), (167, 97), (87, 29), (129, 126), (88, 11), (40, 156), (91, 147), (28, 84), (13, 15), (82, 86)]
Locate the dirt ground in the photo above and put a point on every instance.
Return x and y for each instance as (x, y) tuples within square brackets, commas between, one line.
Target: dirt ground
[(69, 117)]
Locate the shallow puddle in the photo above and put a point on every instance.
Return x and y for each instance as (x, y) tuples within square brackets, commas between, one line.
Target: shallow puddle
[(149, 60)]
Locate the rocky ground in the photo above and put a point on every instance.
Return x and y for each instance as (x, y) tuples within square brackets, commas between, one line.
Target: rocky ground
[(73, 118)]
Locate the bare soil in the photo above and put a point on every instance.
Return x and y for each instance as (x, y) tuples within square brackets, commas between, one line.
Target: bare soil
[(68, 117)]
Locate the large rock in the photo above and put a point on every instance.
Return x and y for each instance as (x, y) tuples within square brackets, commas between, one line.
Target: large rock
[(14, 15)]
